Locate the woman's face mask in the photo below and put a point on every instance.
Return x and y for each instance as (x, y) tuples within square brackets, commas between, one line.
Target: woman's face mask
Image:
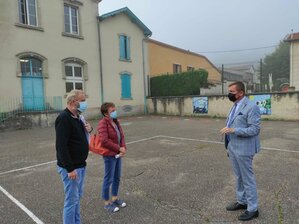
[(113, 115)]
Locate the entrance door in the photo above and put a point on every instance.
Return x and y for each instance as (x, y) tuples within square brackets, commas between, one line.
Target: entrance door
[(32, 84)]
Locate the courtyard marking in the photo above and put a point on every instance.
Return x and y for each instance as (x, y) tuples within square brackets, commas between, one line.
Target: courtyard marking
[(54, 161), (217, 142), (26, 210), (28, 167), (150, 138)]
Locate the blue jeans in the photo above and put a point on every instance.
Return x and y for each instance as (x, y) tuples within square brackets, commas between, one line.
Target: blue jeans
[(112, 176), (73, 191)]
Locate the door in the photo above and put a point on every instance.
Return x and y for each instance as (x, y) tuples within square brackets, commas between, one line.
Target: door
[(32, 84)]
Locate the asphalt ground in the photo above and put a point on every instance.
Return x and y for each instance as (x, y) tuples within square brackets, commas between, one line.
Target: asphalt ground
[(176, 171)]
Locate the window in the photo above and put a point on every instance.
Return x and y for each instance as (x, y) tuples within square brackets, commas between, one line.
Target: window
[(31, 67), (71, 20), (124, 48), (125, 86), (27, 12), (74, 77), (190, 68), (177, 68)]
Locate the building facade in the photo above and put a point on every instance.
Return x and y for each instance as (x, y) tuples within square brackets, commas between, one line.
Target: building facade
[(124, 60), (48, 48), (167, 59), (294, 59)]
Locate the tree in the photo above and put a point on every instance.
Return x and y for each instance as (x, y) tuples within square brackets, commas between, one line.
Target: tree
[(277, 64)]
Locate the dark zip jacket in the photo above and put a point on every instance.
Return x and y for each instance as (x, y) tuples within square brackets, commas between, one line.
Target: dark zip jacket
[(71, 141)]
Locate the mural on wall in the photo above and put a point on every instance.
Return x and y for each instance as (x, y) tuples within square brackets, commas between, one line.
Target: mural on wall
[(263, 102), (200, 105)]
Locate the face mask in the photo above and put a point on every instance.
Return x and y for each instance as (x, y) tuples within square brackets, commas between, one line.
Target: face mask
[(113, 114), (232, 97), (82, 106)]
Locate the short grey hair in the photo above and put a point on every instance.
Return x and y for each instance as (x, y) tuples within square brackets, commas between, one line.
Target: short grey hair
[(73, 95)]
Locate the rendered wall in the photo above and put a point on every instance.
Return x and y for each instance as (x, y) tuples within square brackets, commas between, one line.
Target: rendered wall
[(284, 106), (50, 43)]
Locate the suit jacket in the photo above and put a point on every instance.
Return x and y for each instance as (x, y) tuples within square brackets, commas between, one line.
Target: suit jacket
[(108, 134), (245, 140)]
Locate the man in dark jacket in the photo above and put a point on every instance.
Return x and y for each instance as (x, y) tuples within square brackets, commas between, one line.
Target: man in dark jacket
[(72, 132)]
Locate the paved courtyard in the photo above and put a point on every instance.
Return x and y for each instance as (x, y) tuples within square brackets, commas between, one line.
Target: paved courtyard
[(176, 171)]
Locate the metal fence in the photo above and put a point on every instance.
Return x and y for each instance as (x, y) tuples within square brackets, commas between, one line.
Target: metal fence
[(18, 105)]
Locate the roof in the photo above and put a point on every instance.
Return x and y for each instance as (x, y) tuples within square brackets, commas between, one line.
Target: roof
[(181, 50), (292, 37), (244, 68), (131, 15)]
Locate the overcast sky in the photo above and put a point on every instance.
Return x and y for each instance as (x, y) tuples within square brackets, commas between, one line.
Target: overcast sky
[(216, 25)]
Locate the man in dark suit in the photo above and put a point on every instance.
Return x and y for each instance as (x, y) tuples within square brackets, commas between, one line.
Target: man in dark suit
[(242, 142)]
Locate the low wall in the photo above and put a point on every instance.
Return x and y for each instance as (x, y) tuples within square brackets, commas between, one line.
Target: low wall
[(28, 120), (284, 106)]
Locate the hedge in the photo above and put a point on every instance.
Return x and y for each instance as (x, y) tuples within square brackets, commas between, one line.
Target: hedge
[(179, 84)]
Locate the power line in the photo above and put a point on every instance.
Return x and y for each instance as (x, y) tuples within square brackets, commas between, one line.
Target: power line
[(239, 50)]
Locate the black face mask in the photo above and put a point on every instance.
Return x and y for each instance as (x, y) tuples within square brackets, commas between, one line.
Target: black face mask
[(232, 97)]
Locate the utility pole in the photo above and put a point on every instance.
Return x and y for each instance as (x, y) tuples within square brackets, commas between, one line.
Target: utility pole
[(222, 79), (261, 73)]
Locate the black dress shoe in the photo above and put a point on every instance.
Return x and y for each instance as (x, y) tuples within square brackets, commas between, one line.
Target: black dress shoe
[(246, 216), (235, 206)]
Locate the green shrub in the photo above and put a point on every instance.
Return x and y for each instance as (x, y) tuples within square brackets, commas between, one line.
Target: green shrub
[(179, 84)]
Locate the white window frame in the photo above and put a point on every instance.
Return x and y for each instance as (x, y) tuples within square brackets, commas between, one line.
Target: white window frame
[(73, 79), (70, 20), (27, 14)]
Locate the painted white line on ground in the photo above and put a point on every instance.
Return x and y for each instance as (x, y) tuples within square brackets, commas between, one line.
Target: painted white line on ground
[(144, 139), (26, 210), (54, 161), (215, 142), (28, 167), (191, 139), (281, 150)]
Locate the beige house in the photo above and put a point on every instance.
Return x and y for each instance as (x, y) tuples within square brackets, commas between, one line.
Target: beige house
[(48, 48), (168, 59), (294, 59), (124, 60)]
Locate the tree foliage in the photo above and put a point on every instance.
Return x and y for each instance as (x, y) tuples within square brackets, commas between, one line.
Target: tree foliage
[(277, 64), (180, 84)]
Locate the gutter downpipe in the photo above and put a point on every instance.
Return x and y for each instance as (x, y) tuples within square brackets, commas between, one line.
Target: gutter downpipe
[(101, 64), (144, 78)]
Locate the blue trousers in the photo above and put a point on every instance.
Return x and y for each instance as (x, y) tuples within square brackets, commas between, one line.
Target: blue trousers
[(246, 190), (73, 191), (111, 177)]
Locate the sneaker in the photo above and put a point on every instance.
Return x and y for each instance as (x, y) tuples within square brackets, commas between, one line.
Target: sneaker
[(111, 208), (119, 203)]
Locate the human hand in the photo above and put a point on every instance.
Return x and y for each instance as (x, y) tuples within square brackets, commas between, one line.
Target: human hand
[(72, 175), (122, 150), (121, 154), (226, 130), (88, 127)]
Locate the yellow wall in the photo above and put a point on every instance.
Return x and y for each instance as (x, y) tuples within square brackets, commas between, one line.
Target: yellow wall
[(163, 56)]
